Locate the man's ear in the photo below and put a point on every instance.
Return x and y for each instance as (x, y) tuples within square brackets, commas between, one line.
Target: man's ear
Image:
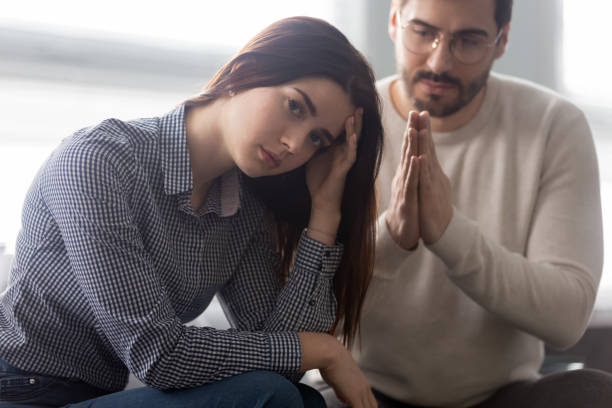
[(393, 24), (503, 42)]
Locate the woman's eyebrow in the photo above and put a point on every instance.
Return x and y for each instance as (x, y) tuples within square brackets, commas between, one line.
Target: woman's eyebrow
[(311, 107), (313, 111)]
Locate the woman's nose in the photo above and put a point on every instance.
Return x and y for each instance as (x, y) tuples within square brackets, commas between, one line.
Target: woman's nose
[(293, 142)]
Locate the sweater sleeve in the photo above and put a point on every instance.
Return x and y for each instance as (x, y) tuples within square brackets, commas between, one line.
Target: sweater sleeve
[(549, 291), (389, 256)]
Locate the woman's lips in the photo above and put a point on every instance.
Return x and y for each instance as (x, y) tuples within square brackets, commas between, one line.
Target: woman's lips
[(270, 158)]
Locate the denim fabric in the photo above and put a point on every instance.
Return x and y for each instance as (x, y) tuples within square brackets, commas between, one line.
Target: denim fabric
[(256, 389), (20, 388)]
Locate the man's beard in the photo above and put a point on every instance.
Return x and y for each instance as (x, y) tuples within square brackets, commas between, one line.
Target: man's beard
[(432, 104)]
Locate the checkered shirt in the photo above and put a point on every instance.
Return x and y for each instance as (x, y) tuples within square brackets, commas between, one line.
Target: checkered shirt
[(112, 260)]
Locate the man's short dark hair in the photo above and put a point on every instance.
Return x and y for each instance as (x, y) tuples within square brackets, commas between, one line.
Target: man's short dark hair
[(503, 11)]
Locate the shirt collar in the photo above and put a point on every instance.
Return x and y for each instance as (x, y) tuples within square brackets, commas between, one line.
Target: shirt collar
[(174, 153), (224, 196)]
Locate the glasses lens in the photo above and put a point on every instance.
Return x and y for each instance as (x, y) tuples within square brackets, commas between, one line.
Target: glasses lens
[(419, 39), (470, 48), (466, 48)]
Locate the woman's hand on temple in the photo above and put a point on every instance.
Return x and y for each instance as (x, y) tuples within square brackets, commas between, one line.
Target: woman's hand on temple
[(326, 172), (326, 175)]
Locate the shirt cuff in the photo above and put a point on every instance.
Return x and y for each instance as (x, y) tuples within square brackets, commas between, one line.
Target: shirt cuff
[(317, 257), (285, 352)]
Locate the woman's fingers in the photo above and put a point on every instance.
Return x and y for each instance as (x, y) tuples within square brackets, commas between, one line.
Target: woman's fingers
[(358, 122), (353, 127)]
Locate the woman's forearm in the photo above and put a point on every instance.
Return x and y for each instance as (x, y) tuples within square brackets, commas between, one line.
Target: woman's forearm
[(337, 367), (323, 226), (318, 350)]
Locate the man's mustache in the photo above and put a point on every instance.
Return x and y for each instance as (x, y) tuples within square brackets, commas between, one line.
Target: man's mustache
[(443, 78)]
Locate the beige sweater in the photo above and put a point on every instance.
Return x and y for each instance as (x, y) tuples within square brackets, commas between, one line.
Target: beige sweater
[(519, 263)]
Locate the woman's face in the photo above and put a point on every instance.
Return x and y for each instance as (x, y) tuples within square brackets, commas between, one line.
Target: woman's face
[(273, 130)]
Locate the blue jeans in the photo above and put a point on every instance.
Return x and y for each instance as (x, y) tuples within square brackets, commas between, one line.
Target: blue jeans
[(256, 389)]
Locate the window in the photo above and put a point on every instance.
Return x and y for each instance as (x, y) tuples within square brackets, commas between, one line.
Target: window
[(181, 23), (69, 64), (586, 61), (585, 78)]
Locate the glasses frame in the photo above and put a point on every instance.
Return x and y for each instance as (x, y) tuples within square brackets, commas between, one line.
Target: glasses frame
[(451, 44)]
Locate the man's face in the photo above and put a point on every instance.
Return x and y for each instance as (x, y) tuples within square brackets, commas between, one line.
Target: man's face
[(436, 80)]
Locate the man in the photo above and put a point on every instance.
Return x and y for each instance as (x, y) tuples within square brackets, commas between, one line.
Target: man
[(490, 233)]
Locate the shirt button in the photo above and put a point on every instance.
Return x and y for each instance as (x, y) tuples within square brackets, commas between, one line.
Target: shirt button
[(32, 381), (327, 254), (312, 302)]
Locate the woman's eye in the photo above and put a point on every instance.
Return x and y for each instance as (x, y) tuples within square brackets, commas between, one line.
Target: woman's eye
[(316, 140), (295, 107)]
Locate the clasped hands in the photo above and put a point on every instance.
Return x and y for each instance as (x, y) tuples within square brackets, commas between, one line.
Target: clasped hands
[(421, 199)]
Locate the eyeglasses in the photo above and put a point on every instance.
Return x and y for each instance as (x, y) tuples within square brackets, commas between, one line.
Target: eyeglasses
[(467, 48)]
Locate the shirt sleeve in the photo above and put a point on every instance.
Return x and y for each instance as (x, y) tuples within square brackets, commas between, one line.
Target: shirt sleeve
[(550, 290), (90, 195), (256, 300)]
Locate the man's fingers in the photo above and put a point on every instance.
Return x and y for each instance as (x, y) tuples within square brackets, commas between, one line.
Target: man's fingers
[(425, 176), (425, 123), (407, 159), (409, 143), (412, 180), (413, 146), (413, 119), (423, 120), (405, 144)]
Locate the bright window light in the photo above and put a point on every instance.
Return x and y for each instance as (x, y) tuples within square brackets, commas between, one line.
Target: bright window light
[(38, 113), (586, 60), (585, 69), (181, 22)]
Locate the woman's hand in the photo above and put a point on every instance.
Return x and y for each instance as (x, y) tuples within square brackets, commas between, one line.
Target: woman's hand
[(337, 367), (325, 178), (348, 382)]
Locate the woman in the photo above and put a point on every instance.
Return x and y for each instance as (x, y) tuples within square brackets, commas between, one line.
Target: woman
[(261, 189)]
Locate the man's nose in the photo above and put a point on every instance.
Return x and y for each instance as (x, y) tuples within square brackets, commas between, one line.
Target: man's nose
[(440, 59)]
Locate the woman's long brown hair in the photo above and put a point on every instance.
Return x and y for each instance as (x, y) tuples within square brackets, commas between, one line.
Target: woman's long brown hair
[(300, 47)]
